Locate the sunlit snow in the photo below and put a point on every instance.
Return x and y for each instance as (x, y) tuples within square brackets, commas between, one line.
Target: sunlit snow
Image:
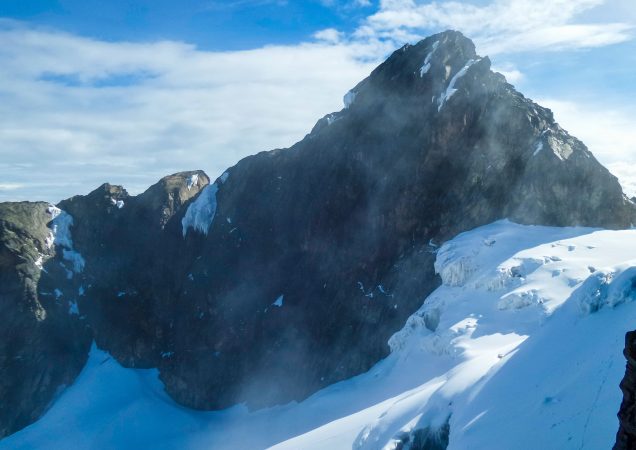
[(520, 348), (450, 90), (427, 61), (200, 213), (60, 234)]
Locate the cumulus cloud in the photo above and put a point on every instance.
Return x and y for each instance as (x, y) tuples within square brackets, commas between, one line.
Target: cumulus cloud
[(330, 35), (512, 74), (608, 132), (499, 26)]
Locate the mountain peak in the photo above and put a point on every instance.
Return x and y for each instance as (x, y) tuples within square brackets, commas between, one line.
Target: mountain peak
[(447, 42), (433, 68)]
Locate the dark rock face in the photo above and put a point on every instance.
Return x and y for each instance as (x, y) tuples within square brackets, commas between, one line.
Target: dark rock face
[(295, 267), (427, 438), (43, 344), (133, 255), (339, 224), (626, 436)]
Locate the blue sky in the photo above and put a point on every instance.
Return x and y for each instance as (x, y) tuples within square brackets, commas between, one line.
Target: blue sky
[(210, 24), (129, 91)]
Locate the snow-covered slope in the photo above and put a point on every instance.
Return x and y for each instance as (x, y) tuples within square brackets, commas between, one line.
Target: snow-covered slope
[(520, 348)]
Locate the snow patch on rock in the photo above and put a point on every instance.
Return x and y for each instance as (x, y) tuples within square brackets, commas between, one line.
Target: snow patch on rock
[(200, 213), (73, 309), (427, 61), (451, 90), (60, 235), (349, 99), (278, 302), (193, 180)]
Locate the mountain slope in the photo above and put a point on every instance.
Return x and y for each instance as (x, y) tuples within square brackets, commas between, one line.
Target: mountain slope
[(339, 225), (311, 257), (500, 350), (43, 344)]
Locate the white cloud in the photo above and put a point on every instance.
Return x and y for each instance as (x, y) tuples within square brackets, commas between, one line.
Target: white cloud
[(608, 132), (67, 123), (329, 35), (346, 4), (499, 26), (10, 186), (512, 74)]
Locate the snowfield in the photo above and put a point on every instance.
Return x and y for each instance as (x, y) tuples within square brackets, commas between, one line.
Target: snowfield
[(520, 348)]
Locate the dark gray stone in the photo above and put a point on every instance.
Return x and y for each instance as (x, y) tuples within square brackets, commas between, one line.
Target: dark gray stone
[(626, 436)]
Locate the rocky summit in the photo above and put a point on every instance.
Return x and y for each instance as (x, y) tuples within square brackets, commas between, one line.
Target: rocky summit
[(293, 269)]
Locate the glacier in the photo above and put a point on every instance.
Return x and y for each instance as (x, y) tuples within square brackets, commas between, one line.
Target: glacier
[(519, 348)]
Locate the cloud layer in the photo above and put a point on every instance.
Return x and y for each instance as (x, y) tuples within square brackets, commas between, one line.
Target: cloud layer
[(77, 112), (500, 26)]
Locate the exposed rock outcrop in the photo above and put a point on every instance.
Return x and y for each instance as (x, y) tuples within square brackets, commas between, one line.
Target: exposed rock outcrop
[(43, 342), (626, 436)]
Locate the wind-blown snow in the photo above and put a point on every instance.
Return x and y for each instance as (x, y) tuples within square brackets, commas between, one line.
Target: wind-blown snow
[(450, 90), (200, 213), (520, 348)]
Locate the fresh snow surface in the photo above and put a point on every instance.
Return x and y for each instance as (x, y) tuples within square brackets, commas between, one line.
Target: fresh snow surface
[(200, 213), (520, 348), (450, 90)]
